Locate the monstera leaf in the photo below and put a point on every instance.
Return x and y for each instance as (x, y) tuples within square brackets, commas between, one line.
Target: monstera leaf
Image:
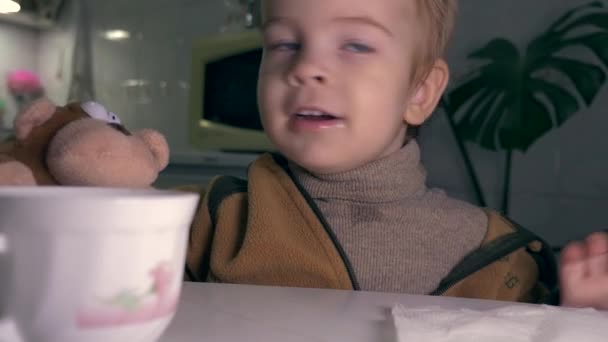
[(510, 100)]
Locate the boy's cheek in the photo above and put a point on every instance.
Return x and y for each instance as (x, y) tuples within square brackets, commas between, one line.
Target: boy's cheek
[(267, 85), (272, 63), (270, 94), (270, 78)]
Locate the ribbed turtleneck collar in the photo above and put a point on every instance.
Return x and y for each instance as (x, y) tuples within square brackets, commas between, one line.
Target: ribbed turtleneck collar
[(394, 177)]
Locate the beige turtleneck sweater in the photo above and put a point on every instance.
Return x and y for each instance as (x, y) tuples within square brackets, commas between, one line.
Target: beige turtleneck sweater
[(398, 235)]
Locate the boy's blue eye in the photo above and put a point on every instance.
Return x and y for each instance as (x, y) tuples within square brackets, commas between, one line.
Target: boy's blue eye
[(358, 48), (285, 46)]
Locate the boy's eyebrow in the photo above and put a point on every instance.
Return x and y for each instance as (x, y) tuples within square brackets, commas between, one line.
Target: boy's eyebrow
[(272, 21), (361, 20), (367, 21)]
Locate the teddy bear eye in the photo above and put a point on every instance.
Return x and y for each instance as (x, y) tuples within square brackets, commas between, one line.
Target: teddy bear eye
[(99, 112), (114, 118)]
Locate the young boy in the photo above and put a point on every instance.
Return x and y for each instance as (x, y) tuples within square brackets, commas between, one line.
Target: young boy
[(345, 205)]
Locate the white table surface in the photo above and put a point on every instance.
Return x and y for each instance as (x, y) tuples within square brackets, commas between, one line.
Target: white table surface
[(221, 312)]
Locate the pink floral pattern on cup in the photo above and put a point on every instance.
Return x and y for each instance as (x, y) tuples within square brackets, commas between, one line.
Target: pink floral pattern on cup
[(128, 307)]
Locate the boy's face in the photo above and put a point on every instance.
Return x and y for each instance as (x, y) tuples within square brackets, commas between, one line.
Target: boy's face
[(334, 88)]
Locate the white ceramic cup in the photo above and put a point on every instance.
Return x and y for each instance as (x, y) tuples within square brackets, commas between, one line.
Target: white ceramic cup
[(91, 264)]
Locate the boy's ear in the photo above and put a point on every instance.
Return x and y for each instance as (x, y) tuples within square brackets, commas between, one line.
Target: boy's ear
[(427, 95)]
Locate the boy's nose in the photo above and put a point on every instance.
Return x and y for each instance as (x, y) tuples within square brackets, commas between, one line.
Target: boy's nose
[(306, 72)]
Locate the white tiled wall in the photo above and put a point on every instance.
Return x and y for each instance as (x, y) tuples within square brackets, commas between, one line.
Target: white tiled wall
[(158, 52), (18, 50), (56, 52), (47, 52)]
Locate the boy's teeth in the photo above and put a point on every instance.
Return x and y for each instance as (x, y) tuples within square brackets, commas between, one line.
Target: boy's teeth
[(311, 113)]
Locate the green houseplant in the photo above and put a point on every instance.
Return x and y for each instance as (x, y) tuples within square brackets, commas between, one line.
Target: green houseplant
[(514, 97)]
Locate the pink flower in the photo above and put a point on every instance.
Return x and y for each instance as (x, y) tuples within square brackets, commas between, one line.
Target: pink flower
[(23, 82), (152, 306), (162, 276)]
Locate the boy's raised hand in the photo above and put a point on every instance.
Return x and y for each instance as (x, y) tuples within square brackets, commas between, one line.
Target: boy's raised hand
[(584, 273)]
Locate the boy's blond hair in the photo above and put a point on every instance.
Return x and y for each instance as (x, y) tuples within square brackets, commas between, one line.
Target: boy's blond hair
[(439, 17)]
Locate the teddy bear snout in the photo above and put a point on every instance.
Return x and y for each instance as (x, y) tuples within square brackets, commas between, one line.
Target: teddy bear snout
[(157, 144)]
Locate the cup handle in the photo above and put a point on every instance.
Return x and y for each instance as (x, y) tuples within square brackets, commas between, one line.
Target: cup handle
[(8, 328)]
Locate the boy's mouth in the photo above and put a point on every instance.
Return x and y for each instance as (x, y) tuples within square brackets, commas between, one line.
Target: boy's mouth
[(314, 119), (315, 115)]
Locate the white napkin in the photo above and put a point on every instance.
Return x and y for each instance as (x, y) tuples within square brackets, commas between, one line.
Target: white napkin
[(520, 323)]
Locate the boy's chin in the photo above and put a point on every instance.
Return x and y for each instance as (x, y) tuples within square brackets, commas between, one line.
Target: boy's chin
[(322, 165), (321, 159)]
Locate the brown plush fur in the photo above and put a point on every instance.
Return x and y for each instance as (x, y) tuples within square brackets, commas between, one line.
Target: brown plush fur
[(65, 146)]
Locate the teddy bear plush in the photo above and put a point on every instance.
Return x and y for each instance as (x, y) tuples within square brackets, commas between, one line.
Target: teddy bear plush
[(80, 144)]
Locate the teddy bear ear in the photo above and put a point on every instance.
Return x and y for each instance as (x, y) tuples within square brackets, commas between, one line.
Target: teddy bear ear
[(39, 112)]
